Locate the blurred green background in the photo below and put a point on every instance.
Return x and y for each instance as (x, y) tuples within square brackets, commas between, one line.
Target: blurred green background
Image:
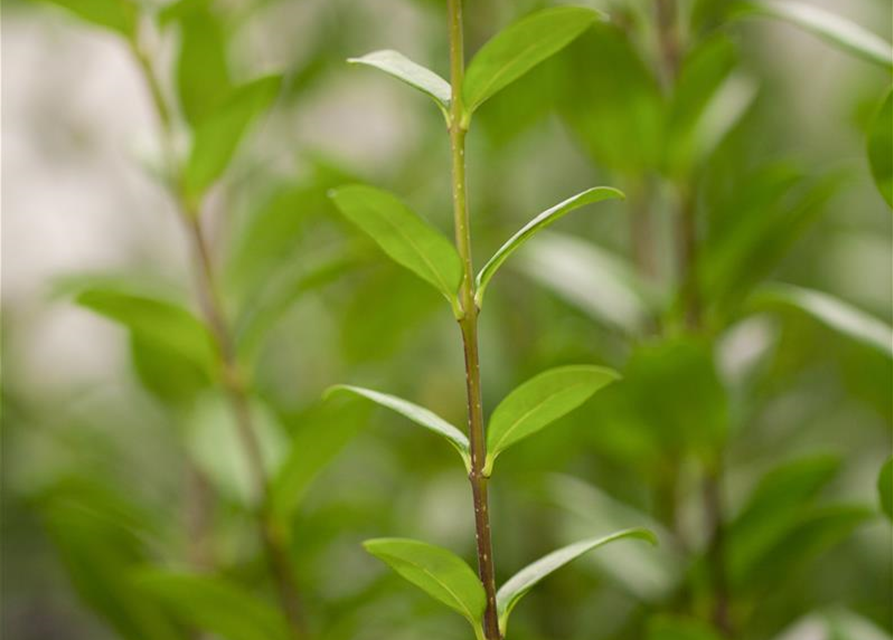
[(752, 129)]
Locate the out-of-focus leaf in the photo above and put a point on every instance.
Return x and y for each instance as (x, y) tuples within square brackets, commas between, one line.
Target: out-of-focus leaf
[(539, 402), (774, 508), (522, 582), (320, 435), (588, 277), (217, 447), (438, 572), (834, 624), (404, 236), (203, 78), (880, 148), (263, 310), (885, 488), (831, 27), (417, 414), (218, 135), (614, 104), (415, 75), (166, 373), (100, 539), (154, 321), (540, 222), (120, 16), (820, 529), (648, 574), (830, 311), (213, 604), (520, 47), (666, 627), (778, 209)]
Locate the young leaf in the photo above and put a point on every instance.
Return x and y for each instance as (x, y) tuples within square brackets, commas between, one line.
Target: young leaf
[(203, 79), (404, 236), (417, 414), (522, 582), (218, 135), (520, 47), (830, 311), (830, 27), (540, 222), (213, 604), (415, 75), (120, 16), (539, 402), (438, 572), (153, 321), (885, 488), (880, 149)]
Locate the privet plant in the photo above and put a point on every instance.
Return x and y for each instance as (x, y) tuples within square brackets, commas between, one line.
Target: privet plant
[(416, 245), (180, 356)]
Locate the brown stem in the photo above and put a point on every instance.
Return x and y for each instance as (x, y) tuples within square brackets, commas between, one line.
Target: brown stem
[(721, 615), (468, 324), (232, 379)]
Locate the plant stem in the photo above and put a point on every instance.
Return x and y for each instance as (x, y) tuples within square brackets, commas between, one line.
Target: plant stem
[(232, 378), (468, 323)]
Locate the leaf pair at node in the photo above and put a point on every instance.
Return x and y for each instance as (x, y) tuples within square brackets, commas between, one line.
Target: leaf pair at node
[(446, 577), (415, 244), (528, 409), (505, 58)]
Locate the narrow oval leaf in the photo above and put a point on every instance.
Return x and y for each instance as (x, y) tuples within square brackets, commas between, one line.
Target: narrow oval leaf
[(830, 311), (539, 402), (540, 222), (528, 577), (520, 47), (156, 322), (218, 136), (830, 27), (885, 488), (404, 236), (120, 16), (417, 414), (415, 75), (203, 78), (438, 572), (880, 149), (214, 605)]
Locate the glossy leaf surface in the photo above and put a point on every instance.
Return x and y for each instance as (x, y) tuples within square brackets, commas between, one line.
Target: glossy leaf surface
[(415, 75)]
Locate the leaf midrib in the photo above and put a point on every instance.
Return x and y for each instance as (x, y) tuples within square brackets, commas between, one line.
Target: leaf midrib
[(434, 577)]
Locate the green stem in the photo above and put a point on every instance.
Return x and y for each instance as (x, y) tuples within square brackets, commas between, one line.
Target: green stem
[(232, 378), (468, 324)]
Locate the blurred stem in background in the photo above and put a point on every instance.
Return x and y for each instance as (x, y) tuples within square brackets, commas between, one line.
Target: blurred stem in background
[(232, 377), (468, 322)]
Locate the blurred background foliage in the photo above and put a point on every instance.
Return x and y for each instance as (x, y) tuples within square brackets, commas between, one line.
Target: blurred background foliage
[(743, 290)]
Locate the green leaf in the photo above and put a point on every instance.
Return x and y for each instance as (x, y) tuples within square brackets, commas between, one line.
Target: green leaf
[(830, 311), (320, 434), (203, 79), (885, 488), (159, 322), (522, 582), (880, 148), (165, 373), (540, 222), (218, 135), (600, 284), (438, 572), (415, 75), (520, 47), (404, 236), (213, 604), (417, 414), (830, 27), (121, 16), (539, 402)]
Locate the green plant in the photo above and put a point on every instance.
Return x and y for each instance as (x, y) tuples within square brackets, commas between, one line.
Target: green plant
[(416, 245)]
